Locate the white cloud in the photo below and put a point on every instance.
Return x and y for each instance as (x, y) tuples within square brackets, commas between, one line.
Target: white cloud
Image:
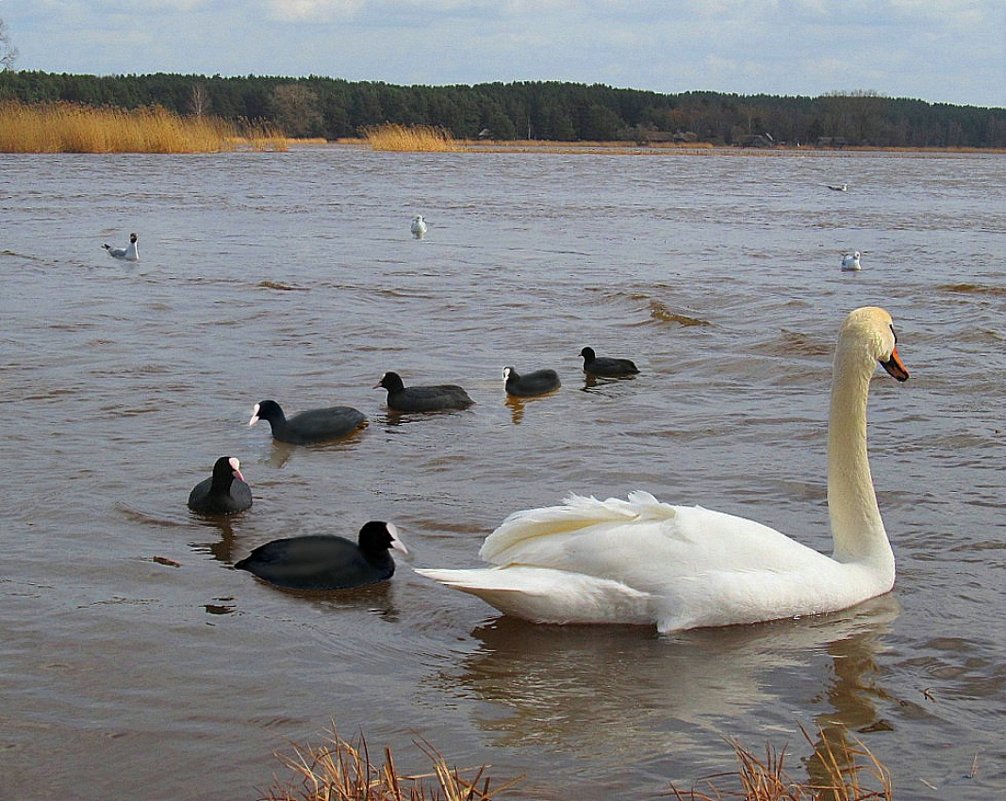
[(303, 10), (408, 12), (946, 50)]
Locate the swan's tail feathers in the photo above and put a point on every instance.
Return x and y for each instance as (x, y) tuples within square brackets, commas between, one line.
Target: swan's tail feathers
[(504, 590), (474, 579), (543, 595), (576, 513)]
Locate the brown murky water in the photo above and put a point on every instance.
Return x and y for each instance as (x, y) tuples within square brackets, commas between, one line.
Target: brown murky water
[(294, 276)]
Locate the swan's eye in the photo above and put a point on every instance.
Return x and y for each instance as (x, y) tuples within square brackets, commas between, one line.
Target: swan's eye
[(895, 335)]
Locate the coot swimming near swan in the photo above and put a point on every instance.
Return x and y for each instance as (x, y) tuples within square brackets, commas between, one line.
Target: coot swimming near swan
[(435, 398), (223, 493), (318, 562), (530, 384), (305, 428), (606, 366)]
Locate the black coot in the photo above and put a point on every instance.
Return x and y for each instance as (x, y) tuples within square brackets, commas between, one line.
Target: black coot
[(525, 386), (326, 562), (422, 399), (223, 493), (315, 425), (606, 365)]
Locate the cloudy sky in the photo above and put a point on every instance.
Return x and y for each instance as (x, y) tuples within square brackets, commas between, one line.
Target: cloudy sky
[(937, 50)]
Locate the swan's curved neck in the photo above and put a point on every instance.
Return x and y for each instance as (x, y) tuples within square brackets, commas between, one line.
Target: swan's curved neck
[(856, 525)]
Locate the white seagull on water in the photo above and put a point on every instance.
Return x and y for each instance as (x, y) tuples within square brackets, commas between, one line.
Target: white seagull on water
[(850, 262), (418, 226), (129, 253), (839, 187)]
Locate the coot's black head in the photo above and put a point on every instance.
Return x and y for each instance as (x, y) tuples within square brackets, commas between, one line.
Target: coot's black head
[(588, 354), (508, 373), (133, 238), (225, 470), (391, 382), (377, 536), (266, 410)]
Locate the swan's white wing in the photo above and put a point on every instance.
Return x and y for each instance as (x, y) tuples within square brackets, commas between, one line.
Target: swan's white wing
[(631, 540), (637, 561), (576, 514)]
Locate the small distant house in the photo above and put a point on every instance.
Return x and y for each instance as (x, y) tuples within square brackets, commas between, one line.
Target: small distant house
[(645, 136), (757, 140)]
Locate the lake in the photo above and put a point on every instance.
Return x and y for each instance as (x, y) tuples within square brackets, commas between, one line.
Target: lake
[(293, 276)]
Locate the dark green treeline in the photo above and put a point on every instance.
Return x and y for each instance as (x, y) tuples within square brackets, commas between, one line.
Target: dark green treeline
[(332, 108)]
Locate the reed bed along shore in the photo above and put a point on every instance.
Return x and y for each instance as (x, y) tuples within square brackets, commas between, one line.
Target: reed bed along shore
[(661, 148), (74, 128), (426, 138), (341, 770), (410, 138)]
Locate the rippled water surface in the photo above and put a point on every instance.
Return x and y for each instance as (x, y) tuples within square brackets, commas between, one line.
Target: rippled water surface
[(293, 276)]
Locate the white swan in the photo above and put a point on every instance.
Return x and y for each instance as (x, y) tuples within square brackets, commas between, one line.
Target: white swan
[(129, 253), (850, 262), (680, 567), (418, 226)]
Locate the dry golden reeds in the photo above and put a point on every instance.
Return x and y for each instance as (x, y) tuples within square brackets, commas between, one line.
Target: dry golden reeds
[(842, 772), (410, 138), (341, 770), (260, 136), (74, 128)]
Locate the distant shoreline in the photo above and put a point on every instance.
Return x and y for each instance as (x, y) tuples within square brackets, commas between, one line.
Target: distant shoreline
[(664, 148), (553, 111)]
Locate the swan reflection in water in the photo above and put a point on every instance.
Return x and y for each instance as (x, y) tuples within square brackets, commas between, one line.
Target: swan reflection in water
[(640, 698)]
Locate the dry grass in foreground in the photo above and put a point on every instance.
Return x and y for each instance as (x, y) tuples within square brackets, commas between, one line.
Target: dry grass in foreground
[(73, 128), (341, 770), (411, 138), (838, 773)]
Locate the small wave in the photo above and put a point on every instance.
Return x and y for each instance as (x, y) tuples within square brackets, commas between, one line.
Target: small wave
[(281, 286), (403, 293), (973, 289), (793, 343), (24, 256), (130, 513), (662, 314)]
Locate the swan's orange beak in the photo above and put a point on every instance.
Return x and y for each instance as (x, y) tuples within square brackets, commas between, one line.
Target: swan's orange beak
[(895, 366)]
